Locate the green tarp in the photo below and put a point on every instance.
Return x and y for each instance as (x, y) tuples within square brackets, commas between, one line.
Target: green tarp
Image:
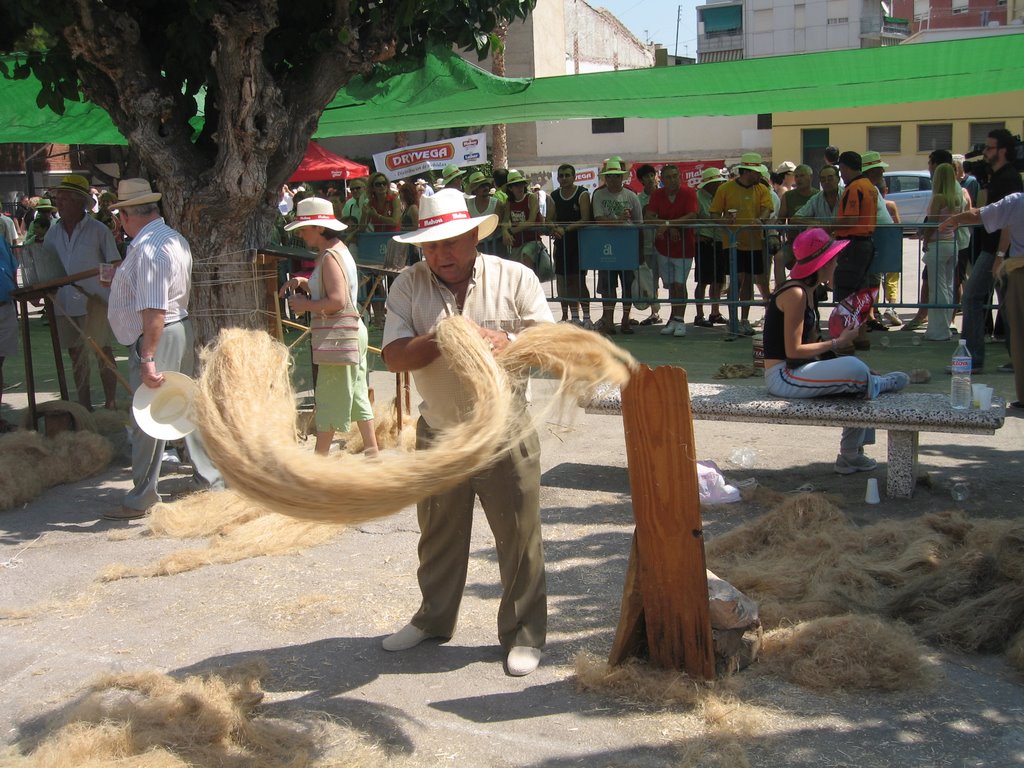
[(448, 92), (810, 81)]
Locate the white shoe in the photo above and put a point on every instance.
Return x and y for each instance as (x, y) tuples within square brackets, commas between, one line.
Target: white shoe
[(522, 660), (407, 637), (669, 329), (680, 329)]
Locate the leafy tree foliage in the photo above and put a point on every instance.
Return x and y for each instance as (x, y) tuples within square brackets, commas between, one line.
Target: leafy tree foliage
[(257, 72)]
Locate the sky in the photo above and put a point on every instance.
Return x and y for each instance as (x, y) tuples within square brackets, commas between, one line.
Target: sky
[(655, 21)]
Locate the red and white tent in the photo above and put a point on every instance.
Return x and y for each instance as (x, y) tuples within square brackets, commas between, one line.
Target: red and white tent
[(321, 165)]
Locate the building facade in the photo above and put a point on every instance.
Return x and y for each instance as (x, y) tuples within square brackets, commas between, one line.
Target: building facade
[(730, 30)]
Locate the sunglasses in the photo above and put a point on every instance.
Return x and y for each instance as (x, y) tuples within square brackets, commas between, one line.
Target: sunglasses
[(380, 183)]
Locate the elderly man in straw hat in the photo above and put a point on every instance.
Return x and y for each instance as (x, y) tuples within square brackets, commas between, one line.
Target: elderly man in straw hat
[(149, 315), (82, 243), (501, 297)]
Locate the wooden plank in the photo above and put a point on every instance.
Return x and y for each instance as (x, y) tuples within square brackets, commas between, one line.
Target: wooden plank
[(662, 458), (631, 636)]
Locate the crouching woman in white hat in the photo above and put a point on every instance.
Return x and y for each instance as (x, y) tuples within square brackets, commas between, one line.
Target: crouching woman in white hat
[(341, 394)]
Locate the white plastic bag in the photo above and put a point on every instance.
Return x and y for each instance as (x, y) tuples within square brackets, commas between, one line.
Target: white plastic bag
[(643, 287), (711, 486)]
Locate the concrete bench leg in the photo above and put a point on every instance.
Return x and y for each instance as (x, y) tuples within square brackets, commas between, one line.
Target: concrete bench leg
[(899, 483)]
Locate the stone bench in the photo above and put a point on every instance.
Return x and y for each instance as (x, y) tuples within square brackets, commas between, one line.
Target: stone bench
[(904, 415)]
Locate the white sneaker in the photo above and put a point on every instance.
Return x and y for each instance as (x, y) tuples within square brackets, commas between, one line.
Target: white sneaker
[(669, 329), (522, 660), (680, 329), (407, 637)]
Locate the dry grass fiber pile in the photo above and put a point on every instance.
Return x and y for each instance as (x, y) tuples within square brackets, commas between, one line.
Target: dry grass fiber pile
[(245, 409), (31, 462), (956, 582), (726, 720), (851, 652), (150, 720), (385, 427), (237, 529)]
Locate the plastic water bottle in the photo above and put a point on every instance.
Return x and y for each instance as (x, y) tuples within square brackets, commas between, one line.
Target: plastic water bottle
[(960, 387)]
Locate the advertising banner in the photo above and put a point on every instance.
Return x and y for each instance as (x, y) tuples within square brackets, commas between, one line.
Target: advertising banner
[(585, 177), (464, 152)]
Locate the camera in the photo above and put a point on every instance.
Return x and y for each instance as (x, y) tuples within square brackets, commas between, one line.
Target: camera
[(977, 166)]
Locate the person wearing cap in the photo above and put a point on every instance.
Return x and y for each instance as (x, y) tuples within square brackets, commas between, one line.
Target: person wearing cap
[(82, 243), (798, 363), (746, 205), (424, 188), (481, 202), (521, 222), (148, 312), (856, 220), (451, 177), (712, 263), (500, 297), (888, 261), (41, 220), (353, 208), (614, 204), (669, 208), (341, 392), (542, 198), (570, 210)]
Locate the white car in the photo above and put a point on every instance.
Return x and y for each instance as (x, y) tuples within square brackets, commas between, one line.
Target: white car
[(911, 191)]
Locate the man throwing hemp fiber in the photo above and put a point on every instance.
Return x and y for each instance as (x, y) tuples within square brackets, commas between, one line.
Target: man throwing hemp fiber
[(501, 297)]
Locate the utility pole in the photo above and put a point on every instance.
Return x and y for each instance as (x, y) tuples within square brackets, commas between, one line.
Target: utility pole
[(679, 16)]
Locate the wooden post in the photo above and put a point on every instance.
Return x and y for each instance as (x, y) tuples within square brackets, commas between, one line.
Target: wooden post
[(665, 612)]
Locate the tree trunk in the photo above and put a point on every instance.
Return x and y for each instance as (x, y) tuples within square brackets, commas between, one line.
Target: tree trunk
[(500, 130)]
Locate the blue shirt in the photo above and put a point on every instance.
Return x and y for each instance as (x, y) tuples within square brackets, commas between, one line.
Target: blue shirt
[(8, 272)]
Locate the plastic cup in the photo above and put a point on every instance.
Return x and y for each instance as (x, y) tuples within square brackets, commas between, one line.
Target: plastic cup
[(106, 274), (871, 494), (976, 390), (985, 398)]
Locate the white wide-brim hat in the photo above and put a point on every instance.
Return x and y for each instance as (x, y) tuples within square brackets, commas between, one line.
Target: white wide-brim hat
[(444, 215), (315, 212), (166, 411)]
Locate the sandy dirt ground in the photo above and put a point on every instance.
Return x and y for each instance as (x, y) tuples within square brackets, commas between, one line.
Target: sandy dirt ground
[(317, 618)]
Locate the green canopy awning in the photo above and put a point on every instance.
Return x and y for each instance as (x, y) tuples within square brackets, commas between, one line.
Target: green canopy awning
[(449, 92), (851, 78)]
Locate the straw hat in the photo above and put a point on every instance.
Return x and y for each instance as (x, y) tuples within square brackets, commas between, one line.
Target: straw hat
[(515, 177), (134, 192), (750, 161), (813, 249), (315, 212), (444, 215), (710, 176), (44, 205), (476, 179), (869, 160), (450, 173), (74, 183), (613, 168), (166, 411)]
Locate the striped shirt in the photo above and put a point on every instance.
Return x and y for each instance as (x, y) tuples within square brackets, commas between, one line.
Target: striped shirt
[(156, 274), (502, 295), (89, 244)]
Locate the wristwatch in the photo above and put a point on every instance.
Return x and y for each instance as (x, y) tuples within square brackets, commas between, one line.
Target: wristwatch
[(147, 359)]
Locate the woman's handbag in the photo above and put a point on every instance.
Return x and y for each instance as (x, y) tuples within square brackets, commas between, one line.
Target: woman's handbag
[(335, 339)]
